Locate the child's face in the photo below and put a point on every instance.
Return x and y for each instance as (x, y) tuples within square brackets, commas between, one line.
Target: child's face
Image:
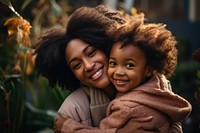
[(127, 67)]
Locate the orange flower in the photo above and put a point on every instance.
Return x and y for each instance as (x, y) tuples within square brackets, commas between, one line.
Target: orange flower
[(19, 62), (130, 16), (133, 11), (19, 28)]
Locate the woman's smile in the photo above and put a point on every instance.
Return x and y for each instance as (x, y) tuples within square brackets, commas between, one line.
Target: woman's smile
[(97, 75)]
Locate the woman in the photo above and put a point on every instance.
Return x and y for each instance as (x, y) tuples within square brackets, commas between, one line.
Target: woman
[(78, 60)]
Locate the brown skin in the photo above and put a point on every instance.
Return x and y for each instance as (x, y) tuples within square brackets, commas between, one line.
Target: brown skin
[(58, 124), (88, 64), (127, 67)]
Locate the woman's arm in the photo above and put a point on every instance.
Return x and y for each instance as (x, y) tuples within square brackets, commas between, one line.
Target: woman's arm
[(135, 125), (68, 125), (176, 128)]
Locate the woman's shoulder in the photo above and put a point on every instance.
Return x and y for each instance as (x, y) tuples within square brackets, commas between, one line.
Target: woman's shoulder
[(76, 106), (77, 97), (76, 100)]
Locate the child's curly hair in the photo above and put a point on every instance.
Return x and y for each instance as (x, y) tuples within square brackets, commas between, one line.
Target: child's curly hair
[(158, 43)]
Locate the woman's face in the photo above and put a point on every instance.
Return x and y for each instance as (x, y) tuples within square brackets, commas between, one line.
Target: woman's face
[(88, 64)]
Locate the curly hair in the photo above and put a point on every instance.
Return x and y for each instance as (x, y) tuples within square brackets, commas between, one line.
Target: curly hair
[(86, 23), (158, 43), (91, 25), (49, 61)]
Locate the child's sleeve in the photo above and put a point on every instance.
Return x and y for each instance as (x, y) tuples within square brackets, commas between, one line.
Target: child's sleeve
[(71, 126), (117, 115)]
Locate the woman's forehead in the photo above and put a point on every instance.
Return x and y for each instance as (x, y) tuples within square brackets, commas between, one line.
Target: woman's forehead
[(75, 48)]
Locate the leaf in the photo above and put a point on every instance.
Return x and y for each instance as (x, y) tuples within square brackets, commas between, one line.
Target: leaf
[(198, 74), (49, 114), (19, 36), (7, 2), (20, 28), (25, 4), (56, 9), (15, 100)]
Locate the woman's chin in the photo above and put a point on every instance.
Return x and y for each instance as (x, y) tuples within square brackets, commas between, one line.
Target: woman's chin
[(104, 83)]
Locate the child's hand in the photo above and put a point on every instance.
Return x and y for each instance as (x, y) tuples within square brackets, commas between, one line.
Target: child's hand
[(58, 123)]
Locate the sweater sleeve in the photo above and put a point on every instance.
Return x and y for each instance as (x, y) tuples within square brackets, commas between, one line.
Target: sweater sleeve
[(71, 126), (118, 115)]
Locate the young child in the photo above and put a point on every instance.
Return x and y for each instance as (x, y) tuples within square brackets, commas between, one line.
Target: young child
[(143, 56)]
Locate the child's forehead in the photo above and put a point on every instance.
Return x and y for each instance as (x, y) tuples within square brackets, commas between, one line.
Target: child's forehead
[(122, 45), (124, 49)]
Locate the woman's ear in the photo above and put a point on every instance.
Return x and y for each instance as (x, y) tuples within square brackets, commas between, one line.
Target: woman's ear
[(149, 71)]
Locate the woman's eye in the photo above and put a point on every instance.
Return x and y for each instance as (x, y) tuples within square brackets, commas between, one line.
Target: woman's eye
[(92, 52), (76, 66)]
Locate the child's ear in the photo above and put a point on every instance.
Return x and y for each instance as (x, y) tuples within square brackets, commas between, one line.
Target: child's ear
[(149, 71)]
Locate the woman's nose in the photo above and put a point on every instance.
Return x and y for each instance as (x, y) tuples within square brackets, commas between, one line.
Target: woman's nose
[(88, 65)]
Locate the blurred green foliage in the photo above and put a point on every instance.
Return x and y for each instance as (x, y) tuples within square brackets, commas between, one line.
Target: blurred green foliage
[(27, 103)]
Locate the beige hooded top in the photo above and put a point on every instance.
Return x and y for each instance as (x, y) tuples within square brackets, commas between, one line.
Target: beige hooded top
[(152, 98)]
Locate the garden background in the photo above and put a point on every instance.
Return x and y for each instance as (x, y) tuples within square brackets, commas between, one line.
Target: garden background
[(28, 104)]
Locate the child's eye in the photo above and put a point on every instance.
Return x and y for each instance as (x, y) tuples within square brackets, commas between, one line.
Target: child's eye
[(130, 65), (112, 63)]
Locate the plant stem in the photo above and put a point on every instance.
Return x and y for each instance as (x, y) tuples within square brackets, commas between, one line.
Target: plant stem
[(13, 10)]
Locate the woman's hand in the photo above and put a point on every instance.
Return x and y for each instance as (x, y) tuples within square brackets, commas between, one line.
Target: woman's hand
[(176, 128), (58, 123), (138, 125)]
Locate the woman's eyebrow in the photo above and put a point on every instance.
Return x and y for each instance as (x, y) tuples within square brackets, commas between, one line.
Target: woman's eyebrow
[(72, 61), (85, 49)]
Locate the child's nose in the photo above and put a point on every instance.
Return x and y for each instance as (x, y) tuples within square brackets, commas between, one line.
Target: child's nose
[(119, 71)]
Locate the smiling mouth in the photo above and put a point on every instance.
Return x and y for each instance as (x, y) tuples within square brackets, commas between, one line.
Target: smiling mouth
[(97, 75), (120, 82)]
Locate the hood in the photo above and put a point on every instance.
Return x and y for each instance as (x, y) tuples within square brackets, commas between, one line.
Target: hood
[(156, 94)]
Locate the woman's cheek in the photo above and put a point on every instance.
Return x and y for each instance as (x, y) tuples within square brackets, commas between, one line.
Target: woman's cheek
[(78, 74)]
